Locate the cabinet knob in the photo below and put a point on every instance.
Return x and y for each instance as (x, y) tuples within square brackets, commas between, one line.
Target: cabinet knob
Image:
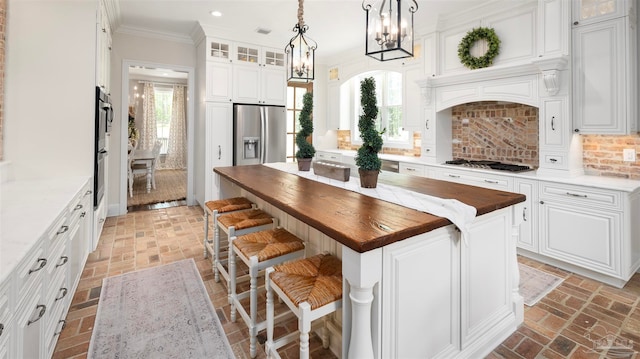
[(576, 22), (576, 130), (541, 202)]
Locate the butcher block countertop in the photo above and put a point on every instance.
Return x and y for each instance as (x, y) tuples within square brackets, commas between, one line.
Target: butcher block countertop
[(357, 221)]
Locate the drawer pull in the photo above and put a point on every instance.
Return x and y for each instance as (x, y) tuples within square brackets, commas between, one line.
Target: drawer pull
[(576, 195), (553, 160), (490, 181), (42, 261), (553, 127), (64, 324), (454, 176), (524, 214), (43, 309), (78, 207), (62, 229), (64, 293), (411, 169), (64, 261), (1, 329)]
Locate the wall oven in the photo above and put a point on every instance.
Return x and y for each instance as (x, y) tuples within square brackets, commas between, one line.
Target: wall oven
[(103, 119)]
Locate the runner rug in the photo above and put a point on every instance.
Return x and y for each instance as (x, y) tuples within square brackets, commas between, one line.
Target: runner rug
[(535, 284), (160, 312)]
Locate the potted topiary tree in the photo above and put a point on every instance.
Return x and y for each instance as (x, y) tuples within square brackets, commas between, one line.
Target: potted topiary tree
[(367, 158), (305, 152)]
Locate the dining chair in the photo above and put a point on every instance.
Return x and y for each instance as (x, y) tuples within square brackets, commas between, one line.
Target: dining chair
[(154, 163)]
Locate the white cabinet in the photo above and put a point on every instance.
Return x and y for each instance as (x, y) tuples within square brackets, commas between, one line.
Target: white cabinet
[(218, 50), (219, 152), (436, 135), (219, 81), (487, 180), (103, 48), (412, 169), (590, 231), (259, 75), (590, 11), (328, 156), (554, 32), (605, 77), (411, 98), (528, 231)]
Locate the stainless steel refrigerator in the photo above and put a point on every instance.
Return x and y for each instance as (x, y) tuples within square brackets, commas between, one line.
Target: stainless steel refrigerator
[(259, 134)]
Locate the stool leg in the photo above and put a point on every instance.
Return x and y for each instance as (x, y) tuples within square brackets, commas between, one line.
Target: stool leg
[(232, 278), (216, 247), (253, 293), (304, 326), (206, 234), (325, 332), (270, 319), (232, 234)]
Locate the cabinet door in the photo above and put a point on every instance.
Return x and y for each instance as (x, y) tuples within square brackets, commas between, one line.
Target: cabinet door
[(246, 54), (590, 11), (528, 232), (412, 99), (219, 118), (434, 300), (576, 234), (554, 123), (246, 83), (599, 77), (274, 86), (29, 323), (219, 50), (218, 86), (273, 58), (429, 133)]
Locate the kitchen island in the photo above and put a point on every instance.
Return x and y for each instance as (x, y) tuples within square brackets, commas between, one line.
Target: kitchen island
[(412, 287)]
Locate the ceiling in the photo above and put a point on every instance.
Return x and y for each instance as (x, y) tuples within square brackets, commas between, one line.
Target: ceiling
[(336, 25)]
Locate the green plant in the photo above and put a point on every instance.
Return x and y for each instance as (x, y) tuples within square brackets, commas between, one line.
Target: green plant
[(467, 42), (367, 157), (305, 149)]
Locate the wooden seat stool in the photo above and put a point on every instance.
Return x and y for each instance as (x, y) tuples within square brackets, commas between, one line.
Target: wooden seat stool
[(258, 250), (311, 288), (215, 209), (237, 224)]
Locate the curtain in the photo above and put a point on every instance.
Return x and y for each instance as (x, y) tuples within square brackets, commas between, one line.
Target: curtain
[(176, 148), (149, 134)]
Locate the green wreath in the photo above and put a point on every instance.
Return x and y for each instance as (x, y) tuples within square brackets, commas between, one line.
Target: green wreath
[(472, 36)]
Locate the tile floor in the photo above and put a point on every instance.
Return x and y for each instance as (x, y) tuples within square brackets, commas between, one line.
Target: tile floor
[(564, 324)]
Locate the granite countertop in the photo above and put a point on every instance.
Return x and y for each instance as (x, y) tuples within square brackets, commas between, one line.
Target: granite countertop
[(357, 221), (612, 183), (27, 209)]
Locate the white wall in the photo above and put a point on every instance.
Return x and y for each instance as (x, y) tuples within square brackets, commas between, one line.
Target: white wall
[(141, 49), (50, 88)]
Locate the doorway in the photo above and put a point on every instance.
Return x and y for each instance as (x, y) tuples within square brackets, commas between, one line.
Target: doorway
[(150, 92)]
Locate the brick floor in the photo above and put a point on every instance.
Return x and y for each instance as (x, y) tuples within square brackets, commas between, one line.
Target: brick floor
[(567, 323)]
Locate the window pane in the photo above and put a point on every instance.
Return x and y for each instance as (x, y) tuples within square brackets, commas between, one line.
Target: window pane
[(300, 91), (290, 97), (394, 89), (290, 145), (290, 127), (394, 122)]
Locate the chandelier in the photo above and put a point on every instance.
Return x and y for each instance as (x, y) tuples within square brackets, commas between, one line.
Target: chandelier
[(300, 51), (389, 29)]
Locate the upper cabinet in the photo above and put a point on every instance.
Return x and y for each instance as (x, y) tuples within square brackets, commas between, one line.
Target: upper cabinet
[(103, 48), (590, 11), (605, 83), (218, 50), (259, 75)]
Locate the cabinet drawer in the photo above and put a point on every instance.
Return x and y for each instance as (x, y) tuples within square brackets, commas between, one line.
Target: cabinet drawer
[(477, 179), (29, 269), (582, 195), (59, 229), (412, 169), (329, 156)]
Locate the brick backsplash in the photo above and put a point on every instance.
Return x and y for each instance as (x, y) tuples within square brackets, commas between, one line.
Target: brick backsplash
[(344, 143), (602, 155), (3, 21), (492, 130)]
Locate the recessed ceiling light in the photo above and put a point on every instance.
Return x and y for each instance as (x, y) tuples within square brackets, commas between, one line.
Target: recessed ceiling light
[(216, 13)]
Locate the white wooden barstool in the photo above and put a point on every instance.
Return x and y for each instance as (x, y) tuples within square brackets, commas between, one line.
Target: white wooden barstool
[(237, 224), (311, 288), (258, 250), (215, 209)]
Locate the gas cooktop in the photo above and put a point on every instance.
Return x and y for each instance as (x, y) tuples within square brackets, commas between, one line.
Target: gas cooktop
[(494, 165)]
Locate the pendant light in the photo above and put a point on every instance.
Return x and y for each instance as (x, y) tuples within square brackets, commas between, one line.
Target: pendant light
[(389, 28), (300, 51)]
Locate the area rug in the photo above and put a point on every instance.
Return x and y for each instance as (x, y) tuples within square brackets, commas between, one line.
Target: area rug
[(535, 284), (160, 312), (171, 185)]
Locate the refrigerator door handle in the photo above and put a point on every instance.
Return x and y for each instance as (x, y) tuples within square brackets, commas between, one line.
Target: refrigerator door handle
[(263, 134)]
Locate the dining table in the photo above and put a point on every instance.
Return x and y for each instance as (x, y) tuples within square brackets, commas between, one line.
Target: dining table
[(146, 158)]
